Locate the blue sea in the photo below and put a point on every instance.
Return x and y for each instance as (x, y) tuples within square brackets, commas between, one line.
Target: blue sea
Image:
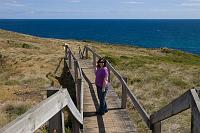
[(182, 34)]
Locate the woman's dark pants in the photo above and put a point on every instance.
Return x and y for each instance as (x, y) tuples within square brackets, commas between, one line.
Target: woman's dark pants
[(101, 95)]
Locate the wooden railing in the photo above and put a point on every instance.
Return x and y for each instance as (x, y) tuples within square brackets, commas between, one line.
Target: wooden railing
[(77, 75), (37, 116), (190, 99), (52, 108)]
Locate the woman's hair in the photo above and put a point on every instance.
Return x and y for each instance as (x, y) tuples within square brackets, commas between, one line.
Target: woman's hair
[(101, 60)]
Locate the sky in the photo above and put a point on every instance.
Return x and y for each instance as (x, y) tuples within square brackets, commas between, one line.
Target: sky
[(99, 9)]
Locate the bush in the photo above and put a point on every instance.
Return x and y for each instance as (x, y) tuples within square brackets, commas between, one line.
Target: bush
[(16, 109)]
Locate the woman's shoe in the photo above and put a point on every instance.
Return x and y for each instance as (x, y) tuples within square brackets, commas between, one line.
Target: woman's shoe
[(100, 113)]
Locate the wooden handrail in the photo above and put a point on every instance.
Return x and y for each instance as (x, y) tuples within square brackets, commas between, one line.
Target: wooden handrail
[(176, 106), (41, 113), (133, 98), (78, 78), (189, 99)]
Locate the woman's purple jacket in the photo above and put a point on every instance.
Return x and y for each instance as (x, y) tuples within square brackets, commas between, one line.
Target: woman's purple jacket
[(101, 73)]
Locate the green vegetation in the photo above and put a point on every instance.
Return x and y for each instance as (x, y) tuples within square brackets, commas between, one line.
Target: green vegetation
[(155, 76)]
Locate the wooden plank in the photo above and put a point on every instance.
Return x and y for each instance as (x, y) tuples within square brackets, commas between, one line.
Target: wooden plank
[(156, 128), (114, 71), (70, 60), (176, 106), (75, 70), (94, 61), (195, 105), (35, 117), (134, 100), (89, 49), (124, 94), (56, 123)]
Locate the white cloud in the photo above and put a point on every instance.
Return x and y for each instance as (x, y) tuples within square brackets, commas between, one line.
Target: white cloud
[(74, 1), (132, 2), (194, 0), (13, 3), (191, 3)]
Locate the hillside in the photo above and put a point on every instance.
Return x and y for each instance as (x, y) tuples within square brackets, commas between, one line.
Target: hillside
[(156, 76)]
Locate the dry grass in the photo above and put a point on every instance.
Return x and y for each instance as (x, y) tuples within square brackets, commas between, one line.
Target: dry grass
[(24, 63), (156, 76)]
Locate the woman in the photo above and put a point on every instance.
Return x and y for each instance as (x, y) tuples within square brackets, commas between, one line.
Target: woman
[(101, 81)]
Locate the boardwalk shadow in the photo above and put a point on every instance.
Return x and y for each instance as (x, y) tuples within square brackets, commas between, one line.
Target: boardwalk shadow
[(66, 81), (89, 114), (95, 100)]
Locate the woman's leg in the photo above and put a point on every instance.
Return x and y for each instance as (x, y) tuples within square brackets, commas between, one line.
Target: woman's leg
[(101, 98)]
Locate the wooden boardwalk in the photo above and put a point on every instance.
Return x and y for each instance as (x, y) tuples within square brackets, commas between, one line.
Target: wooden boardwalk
[(116, 120)]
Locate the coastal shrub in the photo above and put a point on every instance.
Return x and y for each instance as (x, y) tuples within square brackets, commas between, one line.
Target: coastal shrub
[(1, 59), (15, 109), (112, 60), (125, 57), (38, 82), (22, 45), (11, 82), (166, 50)]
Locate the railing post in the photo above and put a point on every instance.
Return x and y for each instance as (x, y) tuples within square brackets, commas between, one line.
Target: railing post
[(75, 124), (56, 123), (75, 70), (70, 60), (86, 53), (195, 117), (124, 94), (78, 94), (94, 61), (156, 128), (66, 51), (108, 71)]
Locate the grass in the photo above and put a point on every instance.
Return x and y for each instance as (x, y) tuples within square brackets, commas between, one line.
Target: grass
[(155, 76)]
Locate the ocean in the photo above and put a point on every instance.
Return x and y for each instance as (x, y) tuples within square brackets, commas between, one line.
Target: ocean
[(181, 34)]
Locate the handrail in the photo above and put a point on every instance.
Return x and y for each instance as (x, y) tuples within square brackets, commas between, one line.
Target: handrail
[(78, 78), (176, 106), (189, 99), (41, 113), (133, 98), (44, 111)]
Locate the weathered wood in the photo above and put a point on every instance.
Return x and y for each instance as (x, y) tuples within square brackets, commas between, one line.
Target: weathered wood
[(124, 94), (55, 123), (75, 70), (70, 59), (176, 106), (97, 55), (75, 126), (80, 53), (94, 61), (108, 70), (35, 117), (195, 107), (114, 71), (66, 51), (134, 100), (78, 92), (156, 128), (138, 107), (81, 96), (86, 53), (79, 70), (187, 100)]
